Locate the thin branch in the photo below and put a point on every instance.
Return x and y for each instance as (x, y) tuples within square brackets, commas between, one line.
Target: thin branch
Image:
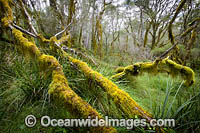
[(167, 51), (57, 34), (67, 49), (171, 48), (29, 18), (23, 30)]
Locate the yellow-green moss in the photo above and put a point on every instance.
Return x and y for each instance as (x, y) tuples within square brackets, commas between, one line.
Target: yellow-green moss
[(165, 65), (8, 18), (122, 71), (66, 38), (59, 89), (27, 47), (149, 67), (187, 31), (52, 45), (137, 68), (119, 69), (121, 98), (119, 75), (187, 73), (48, 62), (43, 39), (60, 42)]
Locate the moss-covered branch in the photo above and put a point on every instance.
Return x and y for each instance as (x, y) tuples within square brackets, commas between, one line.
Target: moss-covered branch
[(170, 34), (8, 17), (190, 44), (146, 34), (122, 99), (188, 30), (165, 65)]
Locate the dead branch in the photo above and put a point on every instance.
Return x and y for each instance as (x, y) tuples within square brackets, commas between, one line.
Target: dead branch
[(28, 17), (23, 30), (57, 34), (67, 49), (167, 51)]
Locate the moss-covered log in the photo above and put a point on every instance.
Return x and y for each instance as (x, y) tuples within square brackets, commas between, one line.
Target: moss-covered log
[(122, 99), (165, 65)]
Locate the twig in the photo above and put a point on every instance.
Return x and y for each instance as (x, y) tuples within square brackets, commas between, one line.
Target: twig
[(66, 49), (167, 51), (23, 30), (29, 18), (63, 30)]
